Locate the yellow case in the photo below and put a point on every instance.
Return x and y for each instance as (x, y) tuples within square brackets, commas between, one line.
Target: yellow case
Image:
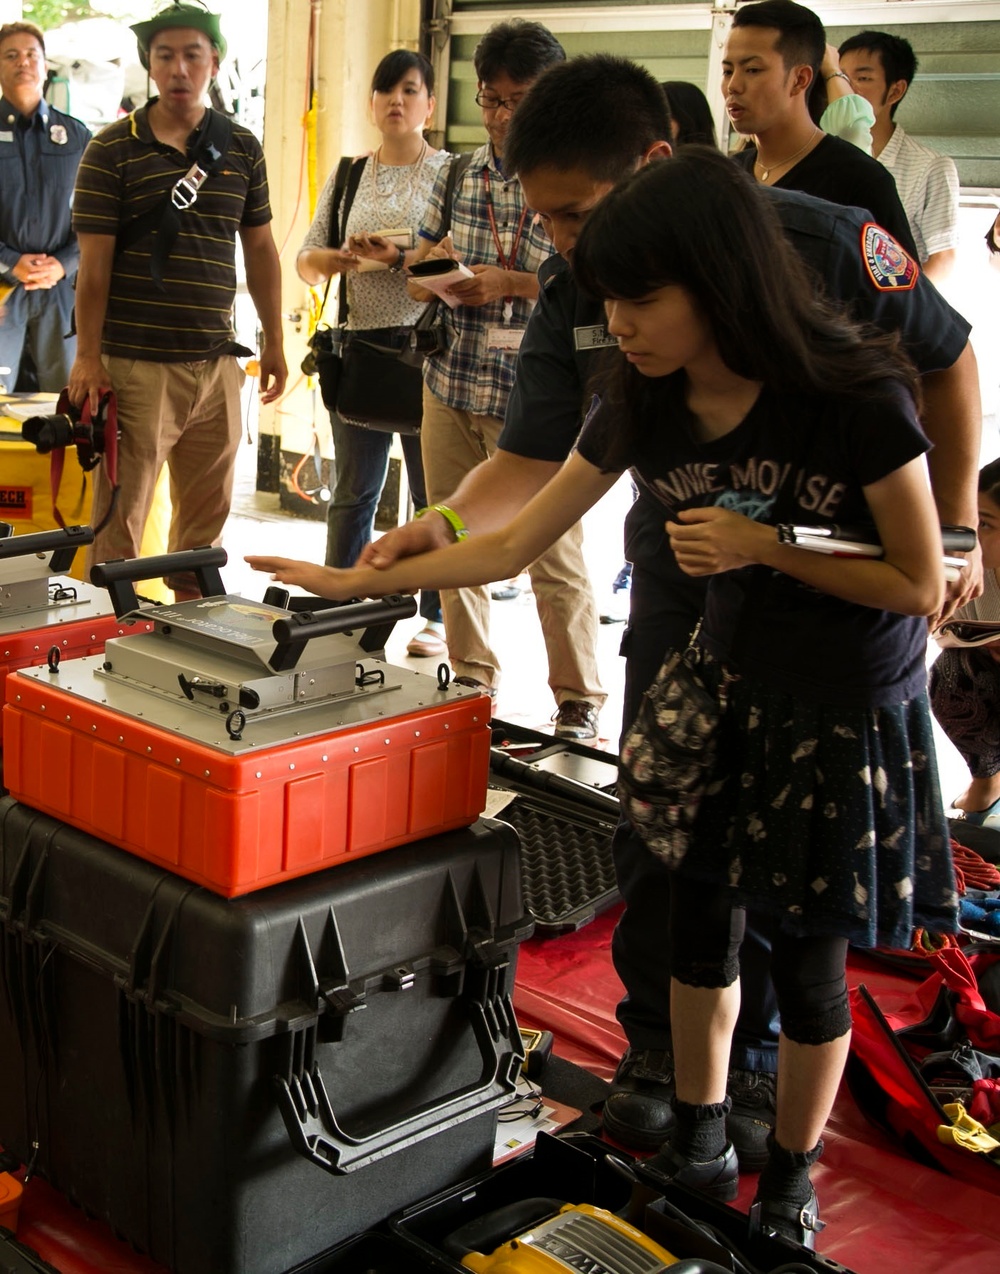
[(569, 1231)]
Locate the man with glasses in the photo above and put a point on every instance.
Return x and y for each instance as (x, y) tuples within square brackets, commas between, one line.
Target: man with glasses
[(40, 151), (467, 385)]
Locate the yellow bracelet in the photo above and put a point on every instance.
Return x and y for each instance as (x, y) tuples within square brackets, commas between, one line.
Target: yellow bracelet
[(450, 516)]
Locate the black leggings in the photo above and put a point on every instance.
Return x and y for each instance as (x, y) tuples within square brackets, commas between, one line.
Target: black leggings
[(706, 930)]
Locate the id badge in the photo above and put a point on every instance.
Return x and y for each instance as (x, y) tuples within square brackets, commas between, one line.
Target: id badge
[(595, 337), (507, 339)]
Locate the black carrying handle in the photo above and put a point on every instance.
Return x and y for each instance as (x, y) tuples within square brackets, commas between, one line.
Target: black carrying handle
[(62, 544), (483, 1234), (119, 575), (534, 779), (377, 618), (315, 1132)]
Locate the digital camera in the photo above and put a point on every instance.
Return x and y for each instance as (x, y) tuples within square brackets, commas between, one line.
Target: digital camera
[(71, 426)]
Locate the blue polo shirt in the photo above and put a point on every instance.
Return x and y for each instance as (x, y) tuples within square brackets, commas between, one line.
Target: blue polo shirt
[(39, 156)]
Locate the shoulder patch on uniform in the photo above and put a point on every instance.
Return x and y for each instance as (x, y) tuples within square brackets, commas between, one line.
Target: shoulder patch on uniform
[(889, 265)]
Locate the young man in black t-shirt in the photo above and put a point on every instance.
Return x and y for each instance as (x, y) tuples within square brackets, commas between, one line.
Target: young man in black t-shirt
[(770, 69)]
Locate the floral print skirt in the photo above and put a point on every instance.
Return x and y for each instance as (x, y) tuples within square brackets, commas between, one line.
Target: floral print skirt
[(828, 818)]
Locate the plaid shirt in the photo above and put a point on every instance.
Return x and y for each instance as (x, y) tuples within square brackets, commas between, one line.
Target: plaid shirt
[(467, 375)]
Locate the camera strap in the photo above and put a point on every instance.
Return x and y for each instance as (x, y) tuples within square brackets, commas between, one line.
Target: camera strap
[(207, 157), (103, 445)]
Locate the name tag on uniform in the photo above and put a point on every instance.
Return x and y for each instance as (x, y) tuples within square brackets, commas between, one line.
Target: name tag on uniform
[(507, 339), (6, 136), (596, 337)]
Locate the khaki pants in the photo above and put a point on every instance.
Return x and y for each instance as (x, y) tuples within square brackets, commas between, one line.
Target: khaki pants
[(186, 415), (453, 443)]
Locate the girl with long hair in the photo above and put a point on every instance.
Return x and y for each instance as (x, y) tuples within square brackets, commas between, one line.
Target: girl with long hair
[(741, 401)]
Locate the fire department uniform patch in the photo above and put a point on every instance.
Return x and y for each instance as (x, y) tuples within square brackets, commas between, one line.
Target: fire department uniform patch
[(889, 265)]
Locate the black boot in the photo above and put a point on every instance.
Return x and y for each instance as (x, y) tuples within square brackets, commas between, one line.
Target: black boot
[(785, 1202), (637, 1112)]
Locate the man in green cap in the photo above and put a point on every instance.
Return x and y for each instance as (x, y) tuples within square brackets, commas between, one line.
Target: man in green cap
[(160, 198)]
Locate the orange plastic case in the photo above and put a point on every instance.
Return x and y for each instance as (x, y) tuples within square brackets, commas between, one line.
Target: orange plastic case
[(238, 823)]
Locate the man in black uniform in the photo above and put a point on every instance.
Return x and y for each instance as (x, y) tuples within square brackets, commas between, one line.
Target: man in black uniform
[(770, 71), (586, 124), (40, 151)]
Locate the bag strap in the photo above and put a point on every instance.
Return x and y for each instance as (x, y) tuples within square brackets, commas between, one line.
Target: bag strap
[(339, 185), (345, 187), (456, 170), (206, 158)]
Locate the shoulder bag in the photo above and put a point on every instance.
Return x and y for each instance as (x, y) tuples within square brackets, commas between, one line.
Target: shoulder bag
[(324, 357), (667, 754), (381, 382)]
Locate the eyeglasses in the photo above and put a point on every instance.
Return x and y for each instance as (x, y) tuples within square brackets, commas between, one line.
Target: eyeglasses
[(490, 103)]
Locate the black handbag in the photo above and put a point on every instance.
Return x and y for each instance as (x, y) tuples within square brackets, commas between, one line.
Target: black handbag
[(667, 754), (376, 389), (374, 380), (325, 345)]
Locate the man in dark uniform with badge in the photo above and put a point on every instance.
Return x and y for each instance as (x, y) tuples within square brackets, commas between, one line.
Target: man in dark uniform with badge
[(40, 151), (584, 126)]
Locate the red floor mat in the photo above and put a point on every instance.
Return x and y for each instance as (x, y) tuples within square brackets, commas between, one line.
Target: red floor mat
[(885, 1213)]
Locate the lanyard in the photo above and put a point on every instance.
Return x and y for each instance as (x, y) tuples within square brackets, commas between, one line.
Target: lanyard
[(506, 263)]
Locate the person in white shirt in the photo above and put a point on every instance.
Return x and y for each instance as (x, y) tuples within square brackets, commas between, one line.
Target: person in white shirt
[(881, 68)]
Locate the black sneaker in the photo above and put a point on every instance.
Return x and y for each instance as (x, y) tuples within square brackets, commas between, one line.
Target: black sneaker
[(719, 1178), (752, 1116), (576, 719), (637, 1112)]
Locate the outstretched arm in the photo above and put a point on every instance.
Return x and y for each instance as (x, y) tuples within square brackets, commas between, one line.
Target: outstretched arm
[(478, 559), (489, 497)]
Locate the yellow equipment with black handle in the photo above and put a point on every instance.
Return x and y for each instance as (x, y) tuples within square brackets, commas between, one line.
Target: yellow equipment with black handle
[(560, 1237)]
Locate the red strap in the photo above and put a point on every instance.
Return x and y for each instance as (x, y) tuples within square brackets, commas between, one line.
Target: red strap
[(109, 458)]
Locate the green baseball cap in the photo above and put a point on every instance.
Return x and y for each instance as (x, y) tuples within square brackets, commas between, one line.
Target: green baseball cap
[(179, 14)]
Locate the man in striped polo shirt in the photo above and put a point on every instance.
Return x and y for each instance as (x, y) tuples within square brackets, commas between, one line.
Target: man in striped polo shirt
[(156, 287)]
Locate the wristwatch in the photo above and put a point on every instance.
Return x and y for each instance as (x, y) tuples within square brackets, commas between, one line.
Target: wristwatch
[(399, 263)]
